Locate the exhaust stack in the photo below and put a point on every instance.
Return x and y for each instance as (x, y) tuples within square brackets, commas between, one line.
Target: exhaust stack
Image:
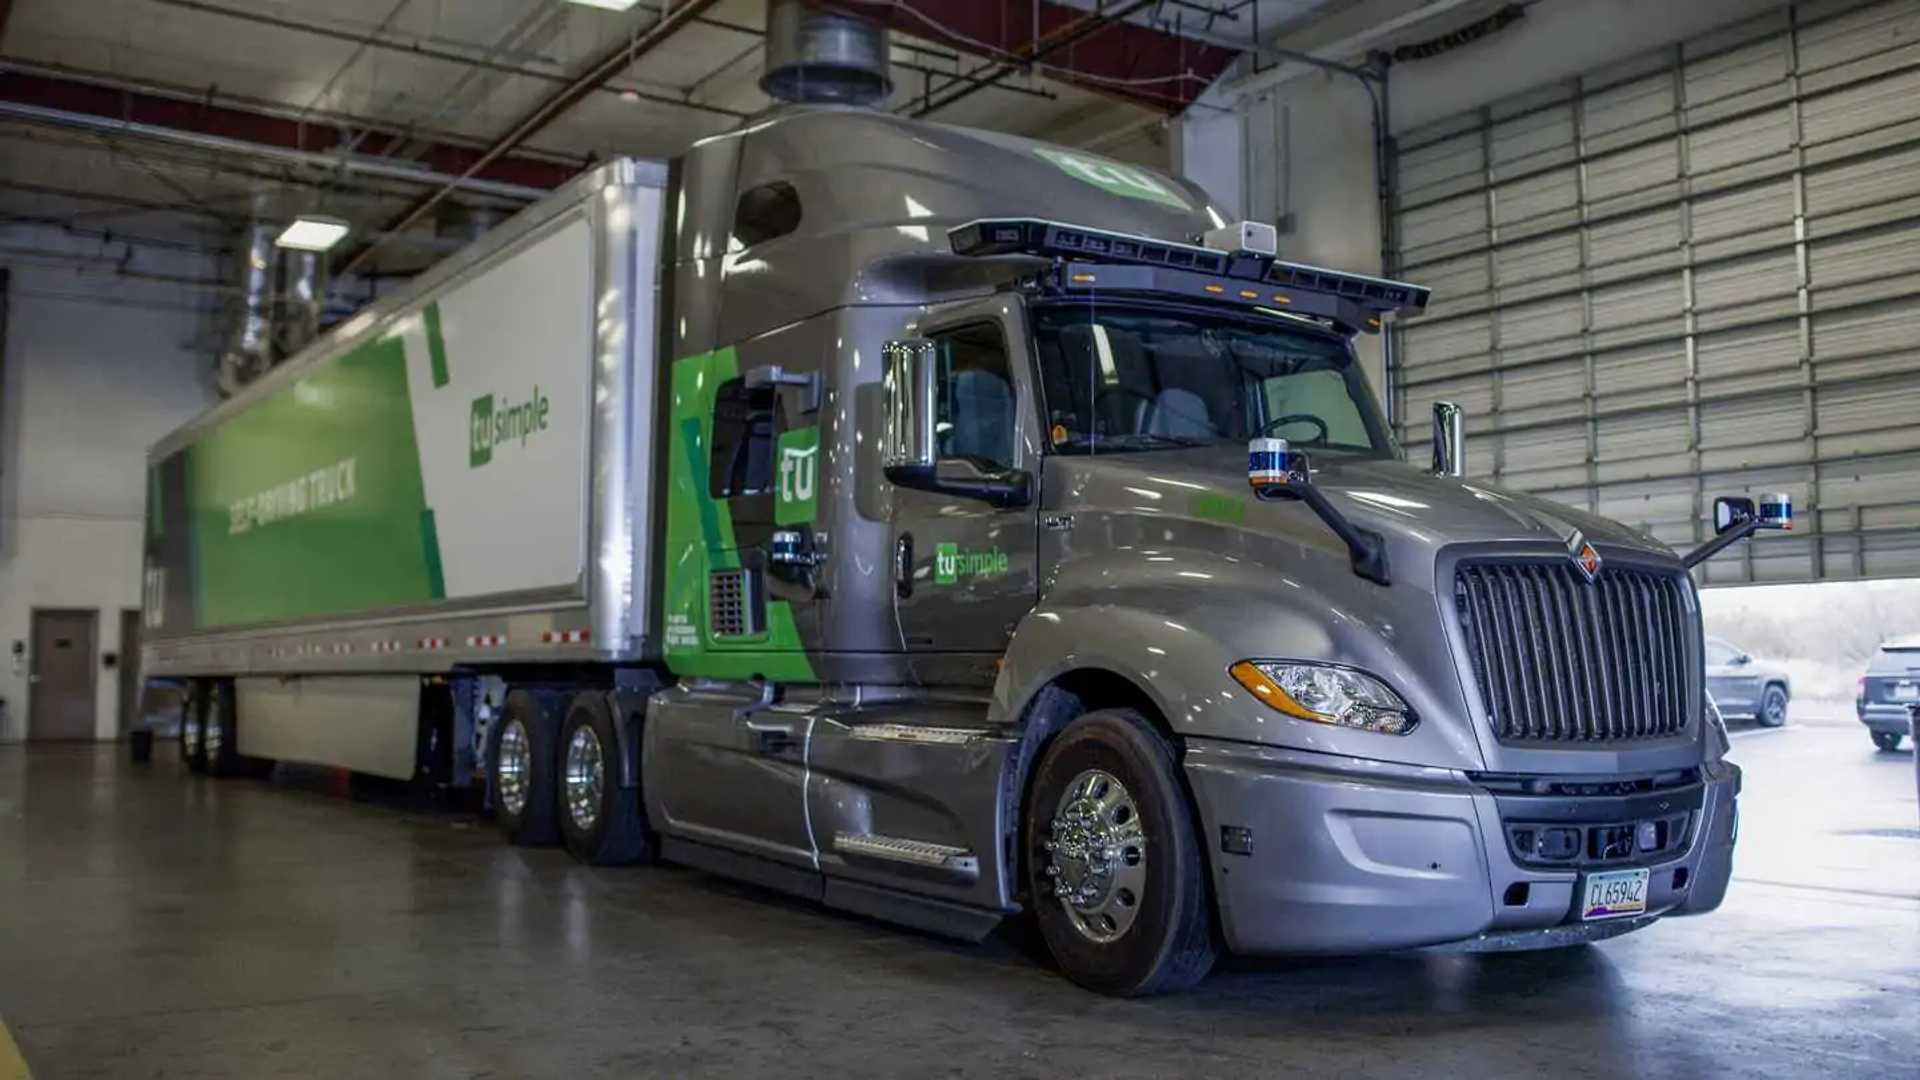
[(824, 57)]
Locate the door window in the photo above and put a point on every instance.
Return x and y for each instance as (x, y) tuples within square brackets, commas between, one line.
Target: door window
[(973, 384), (1719, 653), (742, 440)]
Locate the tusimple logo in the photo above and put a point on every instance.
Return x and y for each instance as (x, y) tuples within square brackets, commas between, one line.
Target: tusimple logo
[(950, 563), (489, 426), (1112, 176), (796, 495)]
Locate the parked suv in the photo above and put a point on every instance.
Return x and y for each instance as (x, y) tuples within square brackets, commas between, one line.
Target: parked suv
[(1742, 687), (1890, 686)]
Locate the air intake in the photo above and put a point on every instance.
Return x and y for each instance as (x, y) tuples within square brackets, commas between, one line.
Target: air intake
[(816, 56)]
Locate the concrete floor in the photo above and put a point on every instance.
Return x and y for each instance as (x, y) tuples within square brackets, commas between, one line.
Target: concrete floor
[(156, 925)]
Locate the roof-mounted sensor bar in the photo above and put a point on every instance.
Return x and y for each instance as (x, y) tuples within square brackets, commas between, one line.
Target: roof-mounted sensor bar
[(1051, 239)]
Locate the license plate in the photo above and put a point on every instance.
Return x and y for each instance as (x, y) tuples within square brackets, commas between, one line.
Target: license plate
[(1615, 893), (1906, 691)]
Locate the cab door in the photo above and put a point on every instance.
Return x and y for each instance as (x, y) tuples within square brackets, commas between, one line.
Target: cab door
[(965, 571)]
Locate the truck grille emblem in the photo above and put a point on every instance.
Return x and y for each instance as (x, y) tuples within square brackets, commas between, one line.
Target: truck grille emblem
[(1584, 556)]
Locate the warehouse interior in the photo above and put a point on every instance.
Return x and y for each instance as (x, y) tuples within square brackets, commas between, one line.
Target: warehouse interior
[(1673, 252)]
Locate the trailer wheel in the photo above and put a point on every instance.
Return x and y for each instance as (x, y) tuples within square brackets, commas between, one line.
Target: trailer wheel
[(193, 727), (1114, 866), (602, 823), (520, 769), (220, 735)]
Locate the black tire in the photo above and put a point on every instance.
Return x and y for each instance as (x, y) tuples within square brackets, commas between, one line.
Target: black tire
[(526, 807), (614, 832), (193, 720), (1169, 944), (1887, 741), (1773, 706), (220, 735)]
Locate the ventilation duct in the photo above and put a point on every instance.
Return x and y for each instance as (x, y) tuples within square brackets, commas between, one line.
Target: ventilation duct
[(251, 352), (304, 296), (816, 56)]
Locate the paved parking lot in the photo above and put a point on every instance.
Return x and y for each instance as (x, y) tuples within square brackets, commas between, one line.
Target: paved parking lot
[(155, 925)]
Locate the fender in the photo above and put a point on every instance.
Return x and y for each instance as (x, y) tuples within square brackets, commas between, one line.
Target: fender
[(1172, 628)]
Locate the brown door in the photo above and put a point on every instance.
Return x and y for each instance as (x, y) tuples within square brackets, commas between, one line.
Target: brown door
[(60, 674), (131, 687)]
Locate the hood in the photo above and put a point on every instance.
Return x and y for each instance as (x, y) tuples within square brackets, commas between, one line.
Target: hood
[(1410, 506)]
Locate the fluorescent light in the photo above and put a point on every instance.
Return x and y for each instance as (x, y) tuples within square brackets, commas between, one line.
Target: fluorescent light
[(311, 232), (610, 5)]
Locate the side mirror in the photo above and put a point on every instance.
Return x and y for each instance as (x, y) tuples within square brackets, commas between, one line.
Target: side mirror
[(1742, 660), (1731, 512), (1449, 439), (909, 453), (906, 442), (1735, 518)]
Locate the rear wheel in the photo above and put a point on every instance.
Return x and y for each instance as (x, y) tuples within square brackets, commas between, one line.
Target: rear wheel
[(1114, 866), (520, 767), (193, 727), (601, 822), (1887, 741), (1773, 706)]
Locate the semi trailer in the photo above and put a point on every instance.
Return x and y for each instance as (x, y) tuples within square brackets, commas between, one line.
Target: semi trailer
[(944, 526)]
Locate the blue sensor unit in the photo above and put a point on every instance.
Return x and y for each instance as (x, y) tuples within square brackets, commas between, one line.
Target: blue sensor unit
[(1776, 511), (1272, 463)]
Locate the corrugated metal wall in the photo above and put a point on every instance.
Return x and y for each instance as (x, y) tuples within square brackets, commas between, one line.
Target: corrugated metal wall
[(1691, 275)]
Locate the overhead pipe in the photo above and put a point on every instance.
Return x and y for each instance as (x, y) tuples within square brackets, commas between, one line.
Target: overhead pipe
[(383, 168), (539, 117)]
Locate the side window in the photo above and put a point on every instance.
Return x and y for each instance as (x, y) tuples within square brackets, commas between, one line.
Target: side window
[(766, 212), (1719, 653), (742, 440), (973, 417)]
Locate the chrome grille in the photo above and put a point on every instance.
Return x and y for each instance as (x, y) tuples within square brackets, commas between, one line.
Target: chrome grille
[(1560, 660)]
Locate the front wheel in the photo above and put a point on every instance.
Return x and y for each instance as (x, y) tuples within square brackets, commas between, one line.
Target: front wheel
[(1773, 707), (1887, 741), (1114, 866)]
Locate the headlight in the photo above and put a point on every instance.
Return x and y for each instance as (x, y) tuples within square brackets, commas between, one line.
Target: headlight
[(1326, 695)]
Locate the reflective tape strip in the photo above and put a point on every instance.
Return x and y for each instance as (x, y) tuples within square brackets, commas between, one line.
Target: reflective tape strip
[(486, 641), (566, 637), (431, 643)]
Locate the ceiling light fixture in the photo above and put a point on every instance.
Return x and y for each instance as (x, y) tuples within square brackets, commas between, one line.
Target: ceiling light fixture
[(312, 232), (609, 5)]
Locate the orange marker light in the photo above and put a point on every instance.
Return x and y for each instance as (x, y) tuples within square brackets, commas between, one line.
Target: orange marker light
[(1282, 298), (1249, 294), (1216, 289), (1083, 279)]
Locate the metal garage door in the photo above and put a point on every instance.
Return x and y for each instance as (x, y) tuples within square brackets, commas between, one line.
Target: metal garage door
[(1692, 275)]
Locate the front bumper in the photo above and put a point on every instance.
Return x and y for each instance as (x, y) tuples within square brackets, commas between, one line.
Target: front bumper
[(1347, 855)]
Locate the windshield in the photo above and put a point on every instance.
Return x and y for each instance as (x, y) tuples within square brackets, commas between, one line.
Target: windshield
[(1120, 378)]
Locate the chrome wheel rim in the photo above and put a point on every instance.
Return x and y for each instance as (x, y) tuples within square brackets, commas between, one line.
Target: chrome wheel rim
[(1096, 856), (516, 760), (1776, 708), (215, 733), (586, 775)]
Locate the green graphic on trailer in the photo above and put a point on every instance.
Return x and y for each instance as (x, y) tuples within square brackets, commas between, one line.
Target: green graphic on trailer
[(796, 492), (1115, 178), (701, 541), (310, 502)]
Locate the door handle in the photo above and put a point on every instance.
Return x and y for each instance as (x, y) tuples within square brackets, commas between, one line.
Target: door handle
[(770, 738), (903, 565)]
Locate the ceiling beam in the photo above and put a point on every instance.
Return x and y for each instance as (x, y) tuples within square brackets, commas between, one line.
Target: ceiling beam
[(427, 52), (1094, 50), (539, 117), (70, 102)]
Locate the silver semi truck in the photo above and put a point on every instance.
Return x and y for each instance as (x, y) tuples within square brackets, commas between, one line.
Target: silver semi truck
[(861, 507)]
